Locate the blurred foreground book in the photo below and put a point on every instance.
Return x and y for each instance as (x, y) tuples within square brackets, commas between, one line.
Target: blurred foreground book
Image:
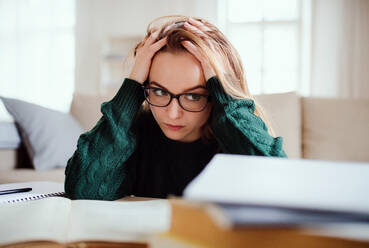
[(241, 201), (193, 227)]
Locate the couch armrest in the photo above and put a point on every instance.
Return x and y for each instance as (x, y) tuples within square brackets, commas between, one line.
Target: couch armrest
[(11, 159), (8, 159)]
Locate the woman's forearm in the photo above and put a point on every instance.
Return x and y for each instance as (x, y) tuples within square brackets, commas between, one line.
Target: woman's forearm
[(237, 128), (96, 170)]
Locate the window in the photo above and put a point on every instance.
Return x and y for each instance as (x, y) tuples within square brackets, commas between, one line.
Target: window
[(271, 38), (37, 51)]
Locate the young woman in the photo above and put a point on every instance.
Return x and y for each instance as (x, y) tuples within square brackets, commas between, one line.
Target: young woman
[(197, 105)]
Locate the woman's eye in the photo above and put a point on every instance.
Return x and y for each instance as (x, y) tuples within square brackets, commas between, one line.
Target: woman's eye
[(159, 92), (194, 97)]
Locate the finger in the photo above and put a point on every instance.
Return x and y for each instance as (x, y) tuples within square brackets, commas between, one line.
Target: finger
[(193, 50), (152, 38), (159, 44), (199, 24), (194, 29), (207, 68), (201, 34), (173, 25)]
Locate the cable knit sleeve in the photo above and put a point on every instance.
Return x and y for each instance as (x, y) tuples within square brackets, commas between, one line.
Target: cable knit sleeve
[(97, 168), (236, 127)]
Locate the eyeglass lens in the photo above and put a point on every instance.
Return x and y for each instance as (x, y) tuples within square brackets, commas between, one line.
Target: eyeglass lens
[(188, 101)]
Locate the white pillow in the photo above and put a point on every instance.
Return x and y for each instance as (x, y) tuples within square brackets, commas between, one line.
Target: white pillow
[(50, 136)]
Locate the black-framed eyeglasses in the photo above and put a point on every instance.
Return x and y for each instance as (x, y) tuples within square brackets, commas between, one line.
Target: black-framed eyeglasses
[(192, 102)]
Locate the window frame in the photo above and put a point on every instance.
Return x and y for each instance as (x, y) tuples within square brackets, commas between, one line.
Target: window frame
[(303, 25)]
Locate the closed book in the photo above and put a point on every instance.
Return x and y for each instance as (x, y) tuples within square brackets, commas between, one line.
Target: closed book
[(231, 216), (193, 227), (326, 198)]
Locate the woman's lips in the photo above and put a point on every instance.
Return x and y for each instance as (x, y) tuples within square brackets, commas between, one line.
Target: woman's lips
[(173, 127)]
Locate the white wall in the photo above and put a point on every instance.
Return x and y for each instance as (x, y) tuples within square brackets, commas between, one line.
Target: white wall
[(99, 19), (340, 50)]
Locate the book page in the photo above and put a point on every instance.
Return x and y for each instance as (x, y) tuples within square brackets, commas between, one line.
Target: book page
[(44, 219), (117, 221)]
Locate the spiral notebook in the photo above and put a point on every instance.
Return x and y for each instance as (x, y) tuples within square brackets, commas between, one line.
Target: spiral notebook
[(40, 189)]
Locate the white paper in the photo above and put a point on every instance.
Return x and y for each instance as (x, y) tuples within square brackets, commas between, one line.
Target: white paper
[(324, 185)]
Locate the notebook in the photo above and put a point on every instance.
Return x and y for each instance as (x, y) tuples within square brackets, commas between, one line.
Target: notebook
[(40, 189)]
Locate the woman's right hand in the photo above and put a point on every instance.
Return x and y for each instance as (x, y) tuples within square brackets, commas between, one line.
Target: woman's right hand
[(144, 55)]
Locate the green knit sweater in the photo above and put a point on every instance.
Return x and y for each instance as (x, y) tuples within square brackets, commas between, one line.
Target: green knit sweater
[(126, 153)]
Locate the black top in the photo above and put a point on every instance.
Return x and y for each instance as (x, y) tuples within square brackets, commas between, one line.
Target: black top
[(161, 166)]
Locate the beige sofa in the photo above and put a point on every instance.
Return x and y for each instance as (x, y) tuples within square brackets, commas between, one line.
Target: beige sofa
[(312, 128)]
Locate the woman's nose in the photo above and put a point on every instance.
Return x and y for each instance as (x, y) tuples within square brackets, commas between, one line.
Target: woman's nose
[(174, 109)]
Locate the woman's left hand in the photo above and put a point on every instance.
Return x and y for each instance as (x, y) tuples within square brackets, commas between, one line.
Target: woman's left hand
[(198, 28)]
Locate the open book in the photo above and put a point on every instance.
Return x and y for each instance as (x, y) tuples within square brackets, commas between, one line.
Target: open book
[(252, 190), (61, 220)]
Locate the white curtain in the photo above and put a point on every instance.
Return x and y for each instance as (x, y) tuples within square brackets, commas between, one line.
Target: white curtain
[(354, 48), (37, 57), (340, 48)]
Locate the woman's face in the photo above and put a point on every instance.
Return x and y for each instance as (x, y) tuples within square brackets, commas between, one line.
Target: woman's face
[(178, 73)]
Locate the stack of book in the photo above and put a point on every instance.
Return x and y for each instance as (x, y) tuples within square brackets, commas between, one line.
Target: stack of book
[(240, 201)]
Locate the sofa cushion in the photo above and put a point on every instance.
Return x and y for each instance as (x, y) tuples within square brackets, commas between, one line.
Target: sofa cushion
[(86, 108), (50, 136), (283, 111), (336, 129)]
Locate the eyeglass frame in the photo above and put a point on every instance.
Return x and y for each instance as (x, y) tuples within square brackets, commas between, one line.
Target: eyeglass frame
[(177, 96)]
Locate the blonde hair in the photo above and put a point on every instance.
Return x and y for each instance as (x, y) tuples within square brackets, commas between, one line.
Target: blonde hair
[(221, 54)]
